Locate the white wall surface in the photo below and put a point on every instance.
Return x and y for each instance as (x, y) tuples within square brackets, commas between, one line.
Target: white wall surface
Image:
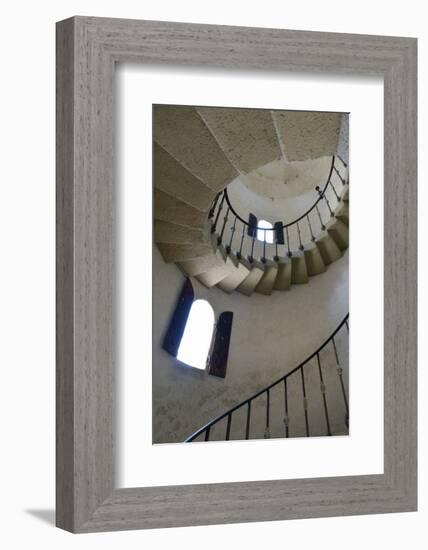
[(27, 273)]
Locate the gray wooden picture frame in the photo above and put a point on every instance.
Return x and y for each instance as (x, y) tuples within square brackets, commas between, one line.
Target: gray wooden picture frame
[(87, 50)]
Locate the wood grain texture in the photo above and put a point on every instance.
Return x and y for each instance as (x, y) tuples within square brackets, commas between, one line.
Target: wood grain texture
[(87, 49)]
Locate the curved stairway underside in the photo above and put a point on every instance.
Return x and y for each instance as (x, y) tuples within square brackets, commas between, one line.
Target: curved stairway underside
[(197, 153)]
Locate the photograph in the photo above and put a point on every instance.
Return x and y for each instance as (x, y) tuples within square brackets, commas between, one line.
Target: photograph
[(250, 274)]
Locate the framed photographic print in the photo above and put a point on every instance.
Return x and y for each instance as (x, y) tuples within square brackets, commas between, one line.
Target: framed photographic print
[(236, 274)]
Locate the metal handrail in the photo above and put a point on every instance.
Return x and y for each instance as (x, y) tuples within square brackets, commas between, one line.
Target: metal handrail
[(284, 233), (320, 196), (248, 401)]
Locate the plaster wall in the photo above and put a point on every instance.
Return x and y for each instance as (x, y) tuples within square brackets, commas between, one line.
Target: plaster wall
[(272, 205), (270, 336), (251, 202), (246, 199)]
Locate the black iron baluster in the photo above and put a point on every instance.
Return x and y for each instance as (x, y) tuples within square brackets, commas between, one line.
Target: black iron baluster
[(276, 252), (319, 216), (342, 385), (247, 427), (310, 228), (301, 247), (229, 422), (251, 258), (324, 398), (288, 243), (239, 255), (207, 433), (264, 246), (267, 431), (342, 161), (305, 402), (340, 176), (232, 233), (213, 206), (324, 196), (220, 237), (286, 419), (204, 432), (335, 192), (214, 226)]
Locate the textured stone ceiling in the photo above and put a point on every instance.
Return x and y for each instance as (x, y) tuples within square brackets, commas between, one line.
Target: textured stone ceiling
[(307, 134), (276, 154), (282, 180)]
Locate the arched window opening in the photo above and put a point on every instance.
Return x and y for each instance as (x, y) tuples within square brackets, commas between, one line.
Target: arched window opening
[(196, 341), (264, 235)]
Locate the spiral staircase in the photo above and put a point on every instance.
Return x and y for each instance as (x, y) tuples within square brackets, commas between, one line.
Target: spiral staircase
[(199, 152)]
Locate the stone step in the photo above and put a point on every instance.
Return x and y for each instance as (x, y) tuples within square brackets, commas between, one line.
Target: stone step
[(232, 281), (167, 232), (170, 209), (329, 250), (267, 282), (299, 270), (172, 178), (226, 266), (173, 252), (314, 262), (342, 213), (203, 265), (339, 232), (256, 271), (283, 278), (307, 135), (215, 275), (247, 136), (185, 136)]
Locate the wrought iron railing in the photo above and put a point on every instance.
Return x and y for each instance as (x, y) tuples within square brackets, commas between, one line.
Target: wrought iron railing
[(203, 434), (294, 235)]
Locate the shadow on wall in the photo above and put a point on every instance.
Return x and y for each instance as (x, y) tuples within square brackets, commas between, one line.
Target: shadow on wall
[(47, 515)]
